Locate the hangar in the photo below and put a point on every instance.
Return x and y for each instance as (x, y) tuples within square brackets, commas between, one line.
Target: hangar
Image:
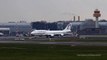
[(14, 28), (5, 31)]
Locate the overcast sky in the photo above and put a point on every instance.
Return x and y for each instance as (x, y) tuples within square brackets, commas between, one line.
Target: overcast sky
[(50, 10)]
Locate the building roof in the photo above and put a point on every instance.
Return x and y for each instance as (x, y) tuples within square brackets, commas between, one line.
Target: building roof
[(76, 23), (5, 24), (81, 22), (4, 28), (103, 23)]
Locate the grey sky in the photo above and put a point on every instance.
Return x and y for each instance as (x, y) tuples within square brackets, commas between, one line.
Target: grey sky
[(50, 10)]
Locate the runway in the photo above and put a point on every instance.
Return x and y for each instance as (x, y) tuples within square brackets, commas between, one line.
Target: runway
[(60, 43), (23, 40)]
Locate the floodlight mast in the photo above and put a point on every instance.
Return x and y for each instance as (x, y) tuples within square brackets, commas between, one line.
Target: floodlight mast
[(97, 15)]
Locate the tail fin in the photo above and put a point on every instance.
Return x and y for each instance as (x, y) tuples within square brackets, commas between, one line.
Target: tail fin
[(68, 27)]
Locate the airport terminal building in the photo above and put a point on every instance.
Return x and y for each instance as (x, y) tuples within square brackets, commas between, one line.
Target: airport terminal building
[(13, 28), (88, 27)]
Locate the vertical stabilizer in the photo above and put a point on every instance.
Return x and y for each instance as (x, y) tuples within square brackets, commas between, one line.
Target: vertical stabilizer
[(68, 27)]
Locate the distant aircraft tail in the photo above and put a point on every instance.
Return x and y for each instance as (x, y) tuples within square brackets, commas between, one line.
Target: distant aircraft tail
[(68, 27)]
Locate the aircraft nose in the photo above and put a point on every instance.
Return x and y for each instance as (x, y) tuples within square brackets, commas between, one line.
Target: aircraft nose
[(32, 33)]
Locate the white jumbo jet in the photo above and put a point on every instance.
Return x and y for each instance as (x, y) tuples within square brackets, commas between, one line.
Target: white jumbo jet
[(52, 33)]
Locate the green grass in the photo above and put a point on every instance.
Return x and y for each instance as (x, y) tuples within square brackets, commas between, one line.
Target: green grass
[(50, 52)]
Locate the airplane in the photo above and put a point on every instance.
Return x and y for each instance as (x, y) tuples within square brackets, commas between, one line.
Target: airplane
[(52, 33)]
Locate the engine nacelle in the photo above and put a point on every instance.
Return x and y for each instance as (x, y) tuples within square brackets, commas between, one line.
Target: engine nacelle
[(62, 34), (52, 34)]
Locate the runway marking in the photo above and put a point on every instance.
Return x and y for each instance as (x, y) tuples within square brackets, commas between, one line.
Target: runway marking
[(12, 48), (89, 55)]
